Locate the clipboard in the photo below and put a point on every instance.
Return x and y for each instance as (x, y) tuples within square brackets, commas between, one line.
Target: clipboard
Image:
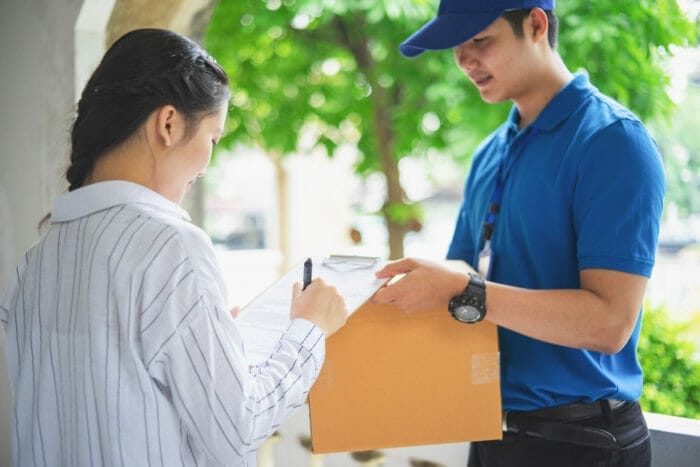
[(264, 319)]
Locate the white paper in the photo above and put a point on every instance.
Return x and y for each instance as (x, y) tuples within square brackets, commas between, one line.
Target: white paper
[(262, 321)]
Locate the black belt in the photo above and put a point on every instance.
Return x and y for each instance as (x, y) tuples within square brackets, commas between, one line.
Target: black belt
[(553, 423), (576, 411)]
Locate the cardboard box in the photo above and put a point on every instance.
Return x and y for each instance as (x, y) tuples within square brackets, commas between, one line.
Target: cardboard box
[(392, 379)]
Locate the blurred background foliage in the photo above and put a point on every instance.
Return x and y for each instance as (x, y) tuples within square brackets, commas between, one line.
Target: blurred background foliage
[(330, 70), (679, 140), (668, 354)]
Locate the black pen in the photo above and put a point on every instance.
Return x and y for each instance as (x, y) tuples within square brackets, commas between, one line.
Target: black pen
[(307, 273)]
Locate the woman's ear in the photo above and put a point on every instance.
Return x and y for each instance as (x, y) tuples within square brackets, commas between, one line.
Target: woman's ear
[(169, 125)]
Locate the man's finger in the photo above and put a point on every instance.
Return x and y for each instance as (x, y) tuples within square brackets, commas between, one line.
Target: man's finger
[(401, 266), (383, 295)]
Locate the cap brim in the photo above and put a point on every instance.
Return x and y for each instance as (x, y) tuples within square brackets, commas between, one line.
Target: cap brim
[(446, 31)]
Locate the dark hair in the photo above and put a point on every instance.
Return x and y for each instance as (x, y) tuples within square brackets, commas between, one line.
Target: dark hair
[(516, 18), (143, 70)]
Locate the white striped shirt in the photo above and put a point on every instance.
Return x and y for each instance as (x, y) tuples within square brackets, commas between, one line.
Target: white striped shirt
[(121, 349)]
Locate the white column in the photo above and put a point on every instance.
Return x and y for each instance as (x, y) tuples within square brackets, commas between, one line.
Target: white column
[(90, 39), (36, 98)]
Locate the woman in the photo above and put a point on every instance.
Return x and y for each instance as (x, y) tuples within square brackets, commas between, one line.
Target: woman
[(120, 346)]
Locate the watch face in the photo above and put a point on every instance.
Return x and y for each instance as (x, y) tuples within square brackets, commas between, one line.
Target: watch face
[(467, 313), (470, 306)]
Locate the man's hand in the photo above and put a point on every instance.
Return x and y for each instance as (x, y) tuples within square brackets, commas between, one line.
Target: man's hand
[(424, 285)]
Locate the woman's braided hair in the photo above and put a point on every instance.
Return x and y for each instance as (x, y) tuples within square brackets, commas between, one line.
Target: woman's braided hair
[(142, 71)]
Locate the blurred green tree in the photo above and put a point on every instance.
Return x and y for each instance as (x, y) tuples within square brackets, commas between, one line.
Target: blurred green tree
[(669, 354), (331, 69), (679, 140)]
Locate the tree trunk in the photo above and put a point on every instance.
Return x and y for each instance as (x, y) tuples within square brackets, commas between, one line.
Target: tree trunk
[(396, 237), (394, 191), (282, 211), (194, 203), (357, 44)]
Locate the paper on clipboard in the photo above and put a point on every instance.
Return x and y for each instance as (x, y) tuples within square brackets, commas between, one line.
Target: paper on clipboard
[(262, 321)]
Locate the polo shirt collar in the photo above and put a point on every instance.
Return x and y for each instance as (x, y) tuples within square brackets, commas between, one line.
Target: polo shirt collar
[(104, 195), (561, 106)]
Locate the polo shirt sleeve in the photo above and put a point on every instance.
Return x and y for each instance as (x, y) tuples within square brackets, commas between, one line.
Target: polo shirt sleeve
[(466, 238), (462, 245), (618, 200)]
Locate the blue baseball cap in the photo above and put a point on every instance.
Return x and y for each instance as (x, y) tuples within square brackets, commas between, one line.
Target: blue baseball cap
[(457, 21)]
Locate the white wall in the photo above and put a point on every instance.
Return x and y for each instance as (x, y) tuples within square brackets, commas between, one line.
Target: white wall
[(36, 98)]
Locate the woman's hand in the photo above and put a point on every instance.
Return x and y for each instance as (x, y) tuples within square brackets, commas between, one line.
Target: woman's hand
[(321, 304)]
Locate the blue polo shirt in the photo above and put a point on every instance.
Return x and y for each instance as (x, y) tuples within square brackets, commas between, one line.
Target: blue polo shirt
[(583, 188)]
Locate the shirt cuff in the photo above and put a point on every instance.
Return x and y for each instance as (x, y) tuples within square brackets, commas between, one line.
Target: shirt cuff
[(309, 337)]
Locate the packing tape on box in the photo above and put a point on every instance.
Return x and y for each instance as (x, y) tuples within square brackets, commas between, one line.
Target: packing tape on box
[(485, 368)]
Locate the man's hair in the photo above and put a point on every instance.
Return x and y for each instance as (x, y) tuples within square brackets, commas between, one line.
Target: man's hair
[(516, 18)]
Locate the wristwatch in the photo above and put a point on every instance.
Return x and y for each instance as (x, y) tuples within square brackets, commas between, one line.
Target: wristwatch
[(470, 306)]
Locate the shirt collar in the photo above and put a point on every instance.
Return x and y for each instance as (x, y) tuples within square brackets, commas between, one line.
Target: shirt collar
[(104, 195), (561, 106)]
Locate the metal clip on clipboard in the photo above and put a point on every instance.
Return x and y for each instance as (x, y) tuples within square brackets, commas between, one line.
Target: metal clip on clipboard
[(349, 262)]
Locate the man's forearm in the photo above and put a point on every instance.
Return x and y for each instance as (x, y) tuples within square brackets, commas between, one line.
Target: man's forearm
[(594, 318)]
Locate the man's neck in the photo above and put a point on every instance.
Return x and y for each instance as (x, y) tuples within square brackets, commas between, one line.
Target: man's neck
[(542, 90)]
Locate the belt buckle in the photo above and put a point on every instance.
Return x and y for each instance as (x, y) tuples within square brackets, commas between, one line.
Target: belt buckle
[(504, 422)]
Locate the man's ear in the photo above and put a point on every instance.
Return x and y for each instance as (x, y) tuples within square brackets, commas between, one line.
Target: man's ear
[(169, 125), (539, 24)]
